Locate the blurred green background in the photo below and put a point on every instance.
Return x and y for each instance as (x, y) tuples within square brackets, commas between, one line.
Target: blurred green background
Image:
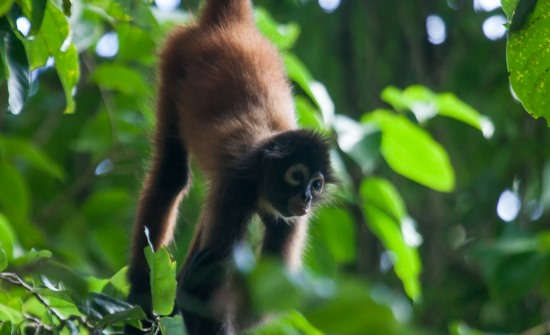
[(439, 225)]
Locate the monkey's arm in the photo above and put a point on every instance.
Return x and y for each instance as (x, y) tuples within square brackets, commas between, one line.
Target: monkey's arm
[(203, 293), (285, 238)]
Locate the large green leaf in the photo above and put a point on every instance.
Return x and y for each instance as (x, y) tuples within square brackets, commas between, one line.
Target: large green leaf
[(411, 152), (528, 58), (425, 104), (163, 280), (53, 40), (385, 210), (19, 78), (37, 15), (337, 229), (18, 147)]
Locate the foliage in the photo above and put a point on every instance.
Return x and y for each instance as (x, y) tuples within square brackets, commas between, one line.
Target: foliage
[(417, 191), (528, 53)]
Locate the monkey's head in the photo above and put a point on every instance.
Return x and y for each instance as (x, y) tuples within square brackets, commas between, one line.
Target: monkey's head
[(295, 170)]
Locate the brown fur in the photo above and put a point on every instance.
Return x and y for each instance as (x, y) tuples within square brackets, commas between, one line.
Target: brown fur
[(222, 92)]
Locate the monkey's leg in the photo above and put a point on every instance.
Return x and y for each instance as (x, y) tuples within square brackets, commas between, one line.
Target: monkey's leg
[(285, 239), (205, 294), (165, 184)]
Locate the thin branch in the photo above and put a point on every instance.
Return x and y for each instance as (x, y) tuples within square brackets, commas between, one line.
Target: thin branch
[(63, 322), (18, 281)]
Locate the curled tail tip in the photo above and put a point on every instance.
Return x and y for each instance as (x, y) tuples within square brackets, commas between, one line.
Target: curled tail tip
[(217, 12)]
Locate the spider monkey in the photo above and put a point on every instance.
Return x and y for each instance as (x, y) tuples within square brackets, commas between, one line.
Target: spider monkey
[(224, 98)]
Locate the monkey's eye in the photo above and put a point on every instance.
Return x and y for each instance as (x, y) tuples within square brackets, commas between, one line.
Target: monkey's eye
[(296, 174), (317, 185)]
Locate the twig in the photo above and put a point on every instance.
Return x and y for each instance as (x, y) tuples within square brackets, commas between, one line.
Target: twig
[(63, 322), (16, 280)]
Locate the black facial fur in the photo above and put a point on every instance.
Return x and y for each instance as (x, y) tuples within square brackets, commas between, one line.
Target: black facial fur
[(292, 192)]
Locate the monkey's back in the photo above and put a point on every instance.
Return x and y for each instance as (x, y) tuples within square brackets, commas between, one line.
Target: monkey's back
[(229, 88)]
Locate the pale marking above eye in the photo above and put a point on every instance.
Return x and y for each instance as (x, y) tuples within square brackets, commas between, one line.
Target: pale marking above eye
[(296, 174)]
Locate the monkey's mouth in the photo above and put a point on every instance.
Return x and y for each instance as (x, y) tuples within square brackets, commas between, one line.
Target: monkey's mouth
[(298, 208)]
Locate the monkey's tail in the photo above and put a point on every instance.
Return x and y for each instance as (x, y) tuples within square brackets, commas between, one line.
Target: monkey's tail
[(222, 12), (166, 183)]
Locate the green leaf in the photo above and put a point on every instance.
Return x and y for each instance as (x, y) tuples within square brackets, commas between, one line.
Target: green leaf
[(32, 256), (19, 147), (5, 6), (410, 151), (282, 35), (120, 281), (37, 15), (7, 237), (9, 314), (384, 209), (3, 259), (360, 141), (308, 116), (291, 323), (19, 78), (163, 280), (106, 311), (67, 66), (528, 58), (112, 8), (48, 41), (522, 12), (52, 41), (7, 328), (337, 229), (120, 78), (425, 104), (383, 195), (135, 44), (508, 6), (299, 74), (172, 325)]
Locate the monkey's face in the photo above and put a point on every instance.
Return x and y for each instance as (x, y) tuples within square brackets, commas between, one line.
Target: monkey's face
[(292, 189), (294, 172)]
